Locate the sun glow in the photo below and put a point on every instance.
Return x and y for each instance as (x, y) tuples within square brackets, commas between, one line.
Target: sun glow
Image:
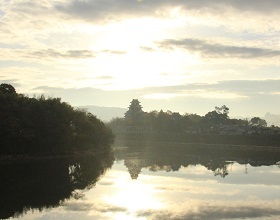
[(128, 52), (134, 196), (139, 69)]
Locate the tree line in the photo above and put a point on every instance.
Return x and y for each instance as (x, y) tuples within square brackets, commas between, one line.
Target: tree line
[(47, 125), (170, 121)]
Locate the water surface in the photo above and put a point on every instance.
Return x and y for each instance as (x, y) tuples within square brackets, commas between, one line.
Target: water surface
[(150, 181)]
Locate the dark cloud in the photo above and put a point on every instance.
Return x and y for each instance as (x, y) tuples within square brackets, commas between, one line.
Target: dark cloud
[(111, 9), (208, 49)]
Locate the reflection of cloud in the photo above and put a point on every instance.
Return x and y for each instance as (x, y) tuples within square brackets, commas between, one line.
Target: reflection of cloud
[(208, 49), (77, 206), (106, 183), (191, 188), (215, 211), (83, 205)]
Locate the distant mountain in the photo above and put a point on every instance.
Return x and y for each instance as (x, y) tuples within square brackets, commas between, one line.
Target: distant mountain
[(104, 113)]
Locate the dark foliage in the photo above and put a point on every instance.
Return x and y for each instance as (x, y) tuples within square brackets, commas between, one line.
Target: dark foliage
[(37, 185), (47, 125), (213, 122)]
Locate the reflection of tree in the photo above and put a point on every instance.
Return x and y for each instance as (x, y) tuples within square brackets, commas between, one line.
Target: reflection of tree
[(45, 184), (220, 168), (167, 157)]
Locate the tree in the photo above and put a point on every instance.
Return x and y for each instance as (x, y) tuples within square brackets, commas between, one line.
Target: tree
[(256, 121), (218, 116), (222, 110), (7, 89), (47, 125)]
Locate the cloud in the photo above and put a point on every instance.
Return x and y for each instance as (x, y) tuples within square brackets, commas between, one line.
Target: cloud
[(67, 54), (235, 15), (147, 49), (87, 96), (232, 89), (51, 54), (97, 10), (110, 9), (222, 90), (206, 94), (23, 16), (13, 82), (45, 54), (104, 78), (117, 52), (217, 50)]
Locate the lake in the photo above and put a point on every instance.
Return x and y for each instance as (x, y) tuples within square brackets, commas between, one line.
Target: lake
[(144, 180)]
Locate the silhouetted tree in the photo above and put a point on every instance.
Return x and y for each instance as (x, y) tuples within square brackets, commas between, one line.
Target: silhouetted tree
[(47, 125), (256, 121), (217, 117), (7, 89)]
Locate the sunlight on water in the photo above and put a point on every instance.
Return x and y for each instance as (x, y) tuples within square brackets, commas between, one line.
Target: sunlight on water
[(134, 195)]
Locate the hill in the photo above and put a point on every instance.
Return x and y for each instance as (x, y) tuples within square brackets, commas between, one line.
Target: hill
[(104, 113)]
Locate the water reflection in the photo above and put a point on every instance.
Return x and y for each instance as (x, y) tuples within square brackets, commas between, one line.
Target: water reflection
[(150, 181), (45, 184), (172, 157)]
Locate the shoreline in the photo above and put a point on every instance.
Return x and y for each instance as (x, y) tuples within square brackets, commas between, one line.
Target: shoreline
[(212, 139), (220, 146), (25, 158)]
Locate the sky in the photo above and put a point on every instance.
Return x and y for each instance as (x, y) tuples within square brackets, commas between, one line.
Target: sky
[(186, 56)]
